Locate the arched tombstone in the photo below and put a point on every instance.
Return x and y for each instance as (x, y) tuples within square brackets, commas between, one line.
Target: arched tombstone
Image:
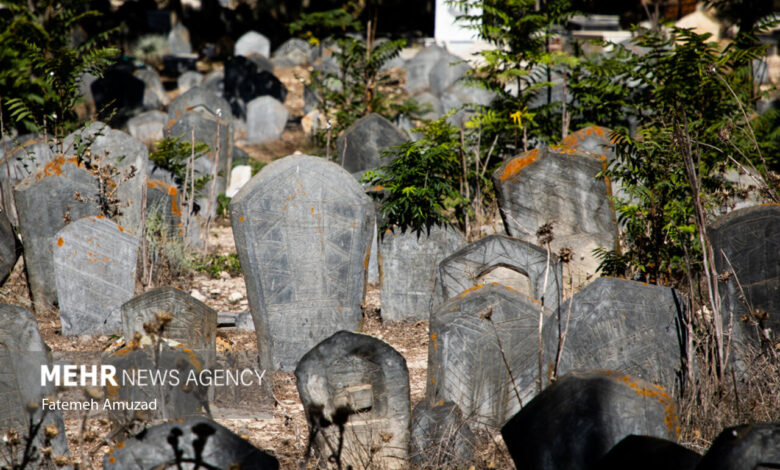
[(559, 186), (627, 326), (23, 354), (579, 418), (94, 271), (192, 442), (483, 353), (18, 158), (302, 227), (407, 267), (749, 446), (648, 453), (355, 393), (746, 246), (46, 202), (524, 265)]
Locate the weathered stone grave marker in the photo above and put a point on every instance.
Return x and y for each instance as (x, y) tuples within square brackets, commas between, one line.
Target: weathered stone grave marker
[(359, 148), (266, 118), (94, 271), (303, 231), (253, 42), (408, 270), (576, 420), (508, 261), (359, 384), (194, 324), (559, 186), (483, 353), (18, 161)]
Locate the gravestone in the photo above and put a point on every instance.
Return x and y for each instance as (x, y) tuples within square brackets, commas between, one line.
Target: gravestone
[(266, 118), (9, 248), (129, 157), (154, 92), (292, 52), (179, 40), (194, 324), (148, 127), (461, 94), (18, 158), (22, 355), (472, 265), (214, 82), (746, 244), (483, 353), (355, 393), (407, 270), (593, 139), (579, 418), (188, 80), (173, 399), (252, 42), (243, 83), (648, 453), (200, 97), (441, 437), (560, 187), (359, 147), (445, 72), (46, 202), (118, 91), (749, 446), (302, 227), (626, 326), (199, 440), (94, 271), (435, 109), (418, 68)]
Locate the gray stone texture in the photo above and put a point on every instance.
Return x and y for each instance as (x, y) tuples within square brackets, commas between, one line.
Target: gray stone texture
[(360, 147), (252, 42), (94, 272), (363, 383), (418, 68), (194, 324), (626, 326), (198, 441), (471, 266), (435, 109), (576, 420), (441, 438), (648, 453), (302, 227), (746, 242), (199, 98), (147, 127), (18, 158), (10, 249), (560, 187), (45, 202), (748, 446), (407, 269), (294, 51), (445, 72), (188, 80), (175, 400), (482, 353), (592, 139), (179, 40), (154, 93), (22, 355), (266, 118)]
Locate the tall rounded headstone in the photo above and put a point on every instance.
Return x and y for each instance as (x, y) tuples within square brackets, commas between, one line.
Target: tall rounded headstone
[(253, 42), (302, 227)]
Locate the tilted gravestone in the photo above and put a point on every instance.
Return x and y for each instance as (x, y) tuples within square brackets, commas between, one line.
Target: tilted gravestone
[(483, 353), (441, 437), (746, 246), (18, 158), (560, 187), (302, 227), (194, 442), (46, 201), (9, 248), (473, 264), (749, 446), (408, 270), (648, 453), (253, 42), (167, 398), (94, 271), (148, 127), (626, 326), (355, 393), (194, 324), (359, 147), (266, 118), (577, 420), (22, 355)]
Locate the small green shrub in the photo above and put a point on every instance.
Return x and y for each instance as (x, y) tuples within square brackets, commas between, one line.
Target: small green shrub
[(223, 205), (172, 154), (213, 264)]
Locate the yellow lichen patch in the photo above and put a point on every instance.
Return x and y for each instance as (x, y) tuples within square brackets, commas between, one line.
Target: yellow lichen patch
[(471, 289), (60, 241), (172, 191), (658, 393), (514, 166), (434, 342), (241, 219), (120, 445), (367, 258), (54, 167), (151, 184)]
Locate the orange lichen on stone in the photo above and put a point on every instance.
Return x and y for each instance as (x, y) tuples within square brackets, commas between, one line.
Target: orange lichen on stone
[(434, 342), (657, 392), (471, 289), (367, 258), (120, 445), (241, 219), (172, 191), (514, 166), (60, 241), (54, 167)]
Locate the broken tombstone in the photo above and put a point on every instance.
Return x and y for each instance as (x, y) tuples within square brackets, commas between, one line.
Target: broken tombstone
[(355, 392), (302, 227)]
